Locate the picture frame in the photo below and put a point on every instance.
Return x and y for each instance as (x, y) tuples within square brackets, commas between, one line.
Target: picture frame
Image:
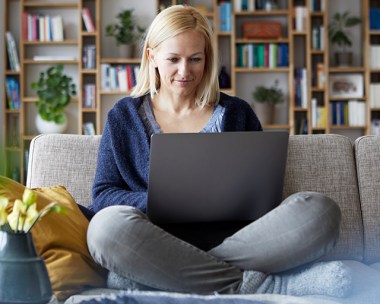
[(346, 86)]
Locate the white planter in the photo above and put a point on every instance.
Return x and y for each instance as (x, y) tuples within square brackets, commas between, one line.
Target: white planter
[(46, 127)]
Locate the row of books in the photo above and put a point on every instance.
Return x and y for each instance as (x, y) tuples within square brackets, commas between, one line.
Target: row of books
[(318, 115), (317, 5), (42, 28), (12, 90), (252, 5), (348, 113), (300, 87), (118, 77), (374, 95), (13, 59), (225, 20), (318, 38), (374, 18), (89, 96), (269, 55), (89, 56), (374, 58)]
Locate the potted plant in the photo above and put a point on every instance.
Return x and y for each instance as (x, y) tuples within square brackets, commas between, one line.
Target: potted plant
[(126, 33), (267, 98), (339, 34), (54, 91)]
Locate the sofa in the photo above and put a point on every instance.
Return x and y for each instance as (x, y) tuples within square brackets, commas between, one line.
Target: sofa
[(348, 172)]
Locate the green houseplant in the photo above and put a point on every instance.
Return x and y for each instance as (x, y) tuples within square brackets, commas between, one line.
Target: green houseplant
[(54, 91), (125, 31), (267, 98), (340, 36)]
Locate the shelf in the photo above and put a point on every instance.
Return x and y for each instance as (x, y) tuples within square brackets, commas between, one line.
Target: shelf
[(262, 70), (31, 61), (347, 70), (51, 4), (120, 60), (64, 42), (246, 41), (262, 13), (35, 99)]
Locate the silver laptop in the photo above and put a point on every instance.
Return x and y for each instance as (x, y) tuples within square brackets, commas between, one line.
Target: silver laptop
[(204, 187)]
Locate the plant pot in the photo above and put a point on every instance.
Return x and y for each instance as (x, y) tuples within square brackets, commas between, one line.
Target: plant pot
[(23, 274), (343, 59), (126, 50), (48, 127), (265, 112)]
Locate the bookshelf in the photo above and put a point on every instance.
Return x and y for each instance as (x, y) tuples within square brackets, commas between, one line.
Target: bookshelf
[(308, 48), (371, 27)]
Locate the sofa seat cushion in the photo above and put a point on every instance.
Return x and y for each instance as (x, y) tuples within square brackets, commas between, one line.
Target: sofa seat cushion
[(61, 241), (367, 151), (325, 163)]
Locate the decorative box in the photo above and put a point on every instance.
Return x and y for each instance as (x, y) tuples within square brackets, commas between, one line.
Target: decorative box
[(262, 29)]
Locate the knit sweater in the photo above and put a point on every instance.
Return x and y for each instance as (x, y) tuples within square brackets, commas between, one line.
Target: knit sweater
[(123, 158)]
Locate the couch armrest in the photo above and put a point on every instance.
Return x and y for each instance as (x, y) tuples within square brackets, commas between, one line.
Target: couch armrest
[(64, 159)]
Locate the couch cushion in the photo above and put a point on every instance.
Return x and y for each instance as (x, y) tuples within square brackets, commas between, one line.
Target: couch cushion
[(61, 241), (367, 151), (64, 159), (325, 163)]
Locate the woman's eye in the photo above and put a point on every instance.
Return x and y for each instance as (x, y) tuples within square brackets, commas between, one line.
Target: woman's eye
[(196, 59), (173, 60)]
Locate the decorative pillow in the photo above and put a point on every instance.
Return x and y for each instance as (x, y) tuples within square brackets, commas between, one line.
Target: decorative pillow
[(61, 241)]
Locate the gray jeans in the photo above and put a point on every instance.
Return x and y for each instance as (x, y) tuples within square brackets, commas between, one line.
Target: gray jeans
[(300, 230)]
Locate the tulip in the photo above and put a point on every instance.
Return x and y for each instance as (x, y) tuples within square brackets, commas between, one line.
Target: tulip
[(22, 217), (3, 211), (29, 197)]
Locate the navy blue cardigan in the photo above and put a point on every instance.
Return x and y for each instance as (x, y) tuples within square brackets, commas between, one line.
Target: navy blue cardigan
[(123, 160)]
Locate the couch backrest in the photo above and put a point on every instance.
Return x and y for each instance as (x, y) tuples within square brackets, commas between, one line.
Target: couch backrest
[(367, 151), (64, 159), (323, 163)]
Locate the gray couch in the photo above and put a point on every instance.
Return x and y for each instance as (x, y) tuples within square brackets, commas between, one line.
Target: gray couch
[(348, 173)]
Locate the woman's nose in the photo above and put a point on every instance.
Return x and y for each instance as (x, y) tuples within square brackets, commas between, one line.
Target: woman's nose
[(183, 68)]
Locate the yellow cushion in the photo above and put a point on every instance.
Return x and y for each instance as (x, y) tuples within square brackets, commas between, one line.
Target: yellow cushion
[(61, 241)]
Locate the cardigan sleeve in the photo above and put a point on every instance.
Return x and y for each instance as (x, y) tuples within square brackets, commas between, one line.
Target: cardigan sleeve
[(119, 180)]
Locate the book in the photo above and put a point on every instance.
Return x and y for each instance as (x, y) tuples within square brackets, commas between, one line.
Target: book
[(87, 20), (13, 58), (88, 128)]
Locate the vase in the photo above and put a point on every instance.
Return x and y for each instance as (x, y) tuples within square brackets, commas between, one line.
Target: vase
[(23, 274), (126, 51), (49, 127), (265, 112), (343, 59), (224, 79)]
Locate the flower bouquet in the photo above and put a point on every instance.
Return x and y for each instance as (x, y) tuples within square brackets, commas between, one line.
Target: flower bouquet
[(27, 277), (24, 214)]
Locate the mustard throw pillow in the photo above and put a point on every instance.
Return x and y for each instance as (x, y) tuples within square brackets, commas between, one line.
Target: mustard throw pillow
[(61, 241)]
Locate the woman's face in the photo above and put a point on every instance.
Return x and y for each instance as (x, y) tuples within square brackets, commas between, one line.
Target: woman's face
[(180, 62)]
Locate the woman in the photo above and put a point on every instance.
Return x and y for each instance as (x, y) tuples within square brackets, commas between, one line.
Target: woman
[(177, 91)]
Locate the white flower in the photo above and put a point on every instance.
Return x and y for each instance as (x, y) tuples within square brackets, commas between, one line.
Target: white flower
[(3, 210), (23, 216)]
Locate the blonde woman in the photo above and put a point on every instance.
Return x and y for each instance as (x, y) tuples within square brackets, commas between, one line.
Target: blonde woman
[(177, 91)]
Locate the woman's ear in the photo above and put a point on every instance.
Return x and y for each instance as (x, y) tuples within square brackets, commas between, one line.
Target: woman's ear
[(150, 55)]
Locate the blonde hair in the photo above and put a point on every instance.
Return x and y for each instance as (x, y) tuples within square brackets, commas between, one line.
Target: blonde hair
[(168, 23)]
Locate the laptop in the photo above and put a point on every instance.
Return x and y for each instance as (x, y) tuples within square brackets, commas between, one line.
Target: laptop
[(203, 187)]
